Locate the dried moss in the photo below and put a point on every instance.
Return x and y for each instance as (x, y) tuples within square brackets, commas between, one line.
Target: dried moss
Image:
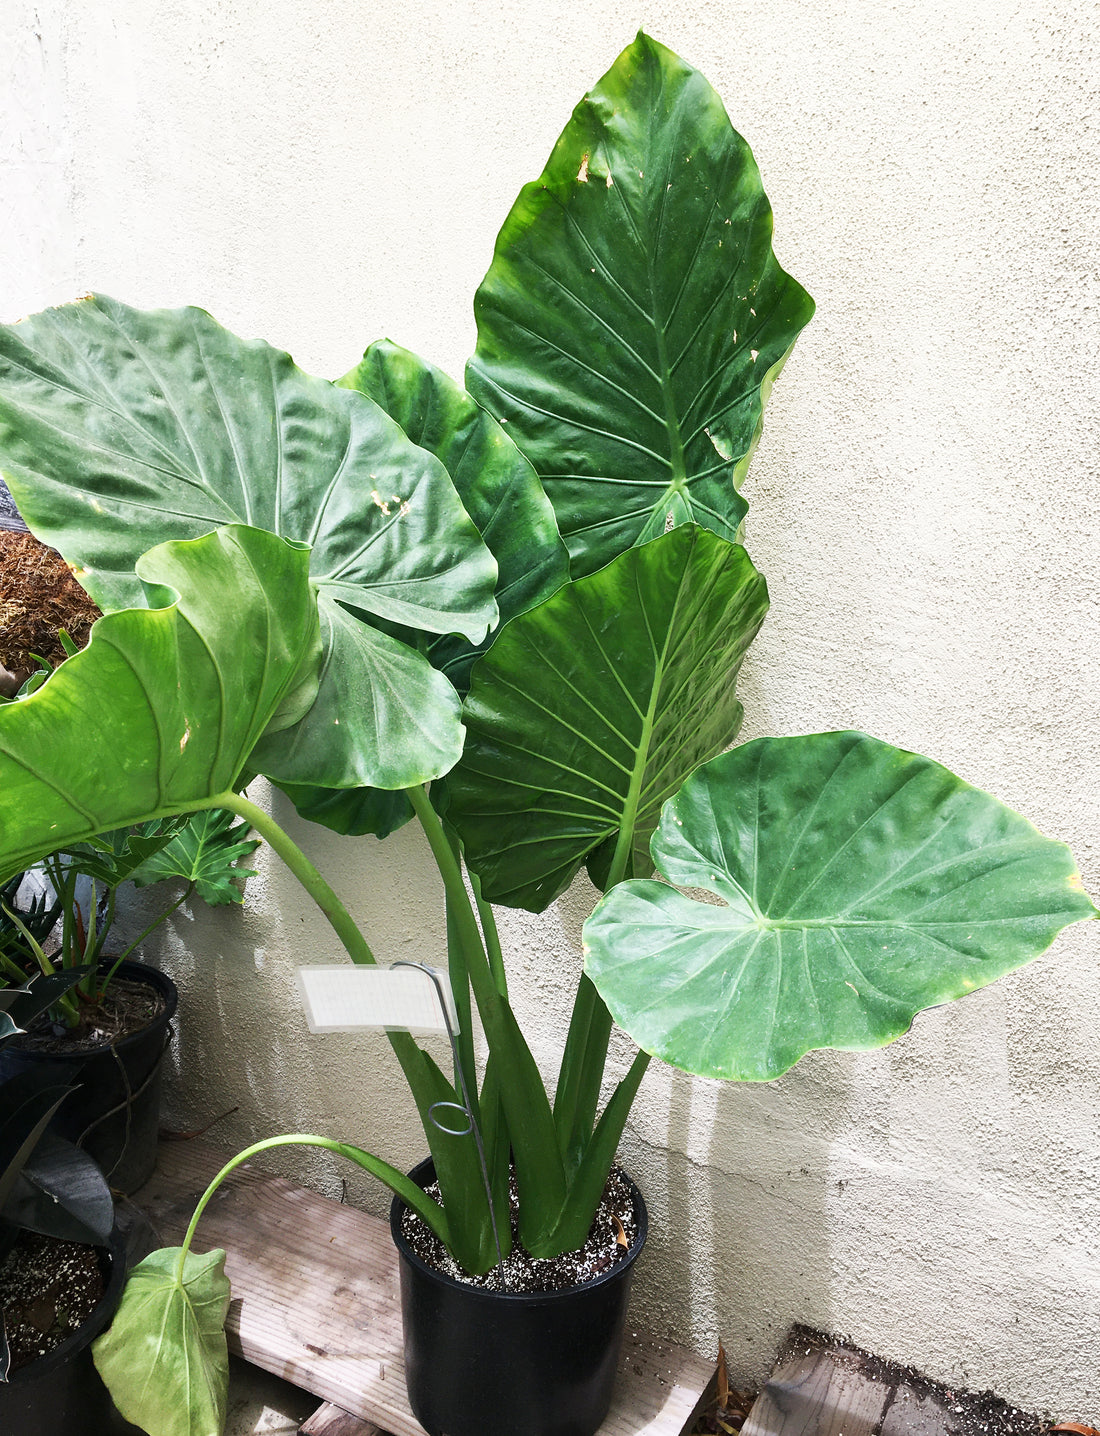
[(38, 595)]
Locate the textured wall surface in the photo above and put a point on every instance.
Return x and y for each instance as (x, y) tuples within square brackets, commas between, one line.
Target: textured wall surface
[(925, 505)]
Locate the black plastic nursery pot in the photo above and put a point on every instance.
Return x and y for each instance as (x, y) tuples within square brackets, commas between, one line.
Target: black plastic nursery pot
[(114, 1111), (491, 1363), (62, 1391)]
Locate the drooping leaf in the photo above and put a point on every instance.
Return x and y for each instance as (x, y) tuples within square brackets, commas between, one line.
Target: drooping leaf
[(205, 852), (860, 885), (121, 428), (498, 487), (405, 716), (589, 711), (163, 707), (62, 1193), (28, 1107), (164, 1358), (634, 317)]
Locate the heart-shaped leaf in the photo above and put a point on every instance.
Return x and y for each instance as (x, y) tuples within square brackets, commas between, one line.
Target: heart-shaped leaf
[(860, 885), (164, 1358), (121, 428), (634, 317), (589, 711), (160, 712)]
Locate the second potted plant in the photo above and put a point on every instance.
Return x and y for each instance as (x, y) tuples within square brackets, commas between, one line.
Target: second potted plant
[(109, 1033)]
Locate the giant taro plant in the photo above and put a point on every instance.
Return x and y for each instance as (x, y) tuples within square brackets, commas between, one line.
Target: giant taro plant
[(517, 610)]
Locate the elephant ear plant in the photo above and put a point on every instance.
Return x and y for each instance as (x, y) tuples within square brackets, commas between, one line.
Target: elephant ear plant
[(518, 611)]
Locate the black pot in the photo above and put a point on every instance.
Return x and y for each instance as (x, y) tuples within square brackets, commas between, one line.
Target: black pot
[(62, 1391), (114, 1112), (491, 1363)]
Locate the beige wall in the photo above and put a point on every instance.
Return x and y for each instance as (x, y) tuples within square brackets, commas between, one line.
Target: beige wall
[(926, 507)]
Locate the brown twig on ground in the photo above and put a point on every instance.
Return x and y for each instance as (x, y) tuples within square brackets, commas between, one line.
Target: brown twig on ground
[(727, 1411)]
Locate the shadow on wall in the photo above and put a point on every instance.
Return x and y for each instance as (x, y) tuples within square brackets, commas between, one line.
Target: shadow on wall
[(896, 1196), (737, 1180)]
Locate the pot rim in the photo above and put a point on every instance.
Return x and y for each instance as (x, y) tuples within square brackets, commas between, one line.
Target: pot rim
[(138, 971), (419, 1174)]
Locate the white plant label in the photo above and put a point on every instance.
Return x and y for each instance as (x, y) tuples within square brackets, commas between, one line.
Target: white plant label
[(351, 999)]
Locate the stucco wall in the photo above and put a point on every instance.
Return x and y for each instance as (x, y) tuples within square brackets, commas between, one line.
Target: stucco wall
[(925, 505)]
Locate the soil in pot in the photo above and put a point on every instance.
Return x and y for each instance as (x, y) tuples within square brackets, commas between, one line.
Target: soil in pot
[(114, 1111), (613, 1231), (61, 1391), (48, 1290), (128, 1005), (484, 1362)]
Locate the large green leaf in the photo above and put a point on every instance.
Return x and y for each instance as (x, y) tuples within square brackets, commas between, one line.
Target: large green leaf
[(162, 709), (120, 428), (164, 1358), (634, 317), (498, 487), (589, 711), (860, 885)]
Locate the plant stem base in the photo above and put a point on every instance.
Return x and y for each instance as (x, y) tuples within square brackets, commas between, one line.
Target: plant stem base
[(315, 1298)]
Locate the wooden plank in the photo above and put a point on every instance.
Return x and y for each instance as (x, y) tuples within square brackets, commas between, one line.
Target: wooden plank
[(910, 1414), (315, 1298), (813, 1395), (329, 1420)]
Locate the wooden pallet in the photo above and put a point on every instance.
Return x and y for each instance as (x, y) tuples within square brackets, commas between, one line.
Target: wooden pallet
[(830, 1393), (315, 1300), (329, 1420)]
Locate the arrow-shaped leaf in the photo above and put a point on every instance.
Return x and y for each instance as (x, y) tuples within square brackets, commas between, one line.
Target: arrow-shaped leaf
[(589, 711), (634, 317)]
